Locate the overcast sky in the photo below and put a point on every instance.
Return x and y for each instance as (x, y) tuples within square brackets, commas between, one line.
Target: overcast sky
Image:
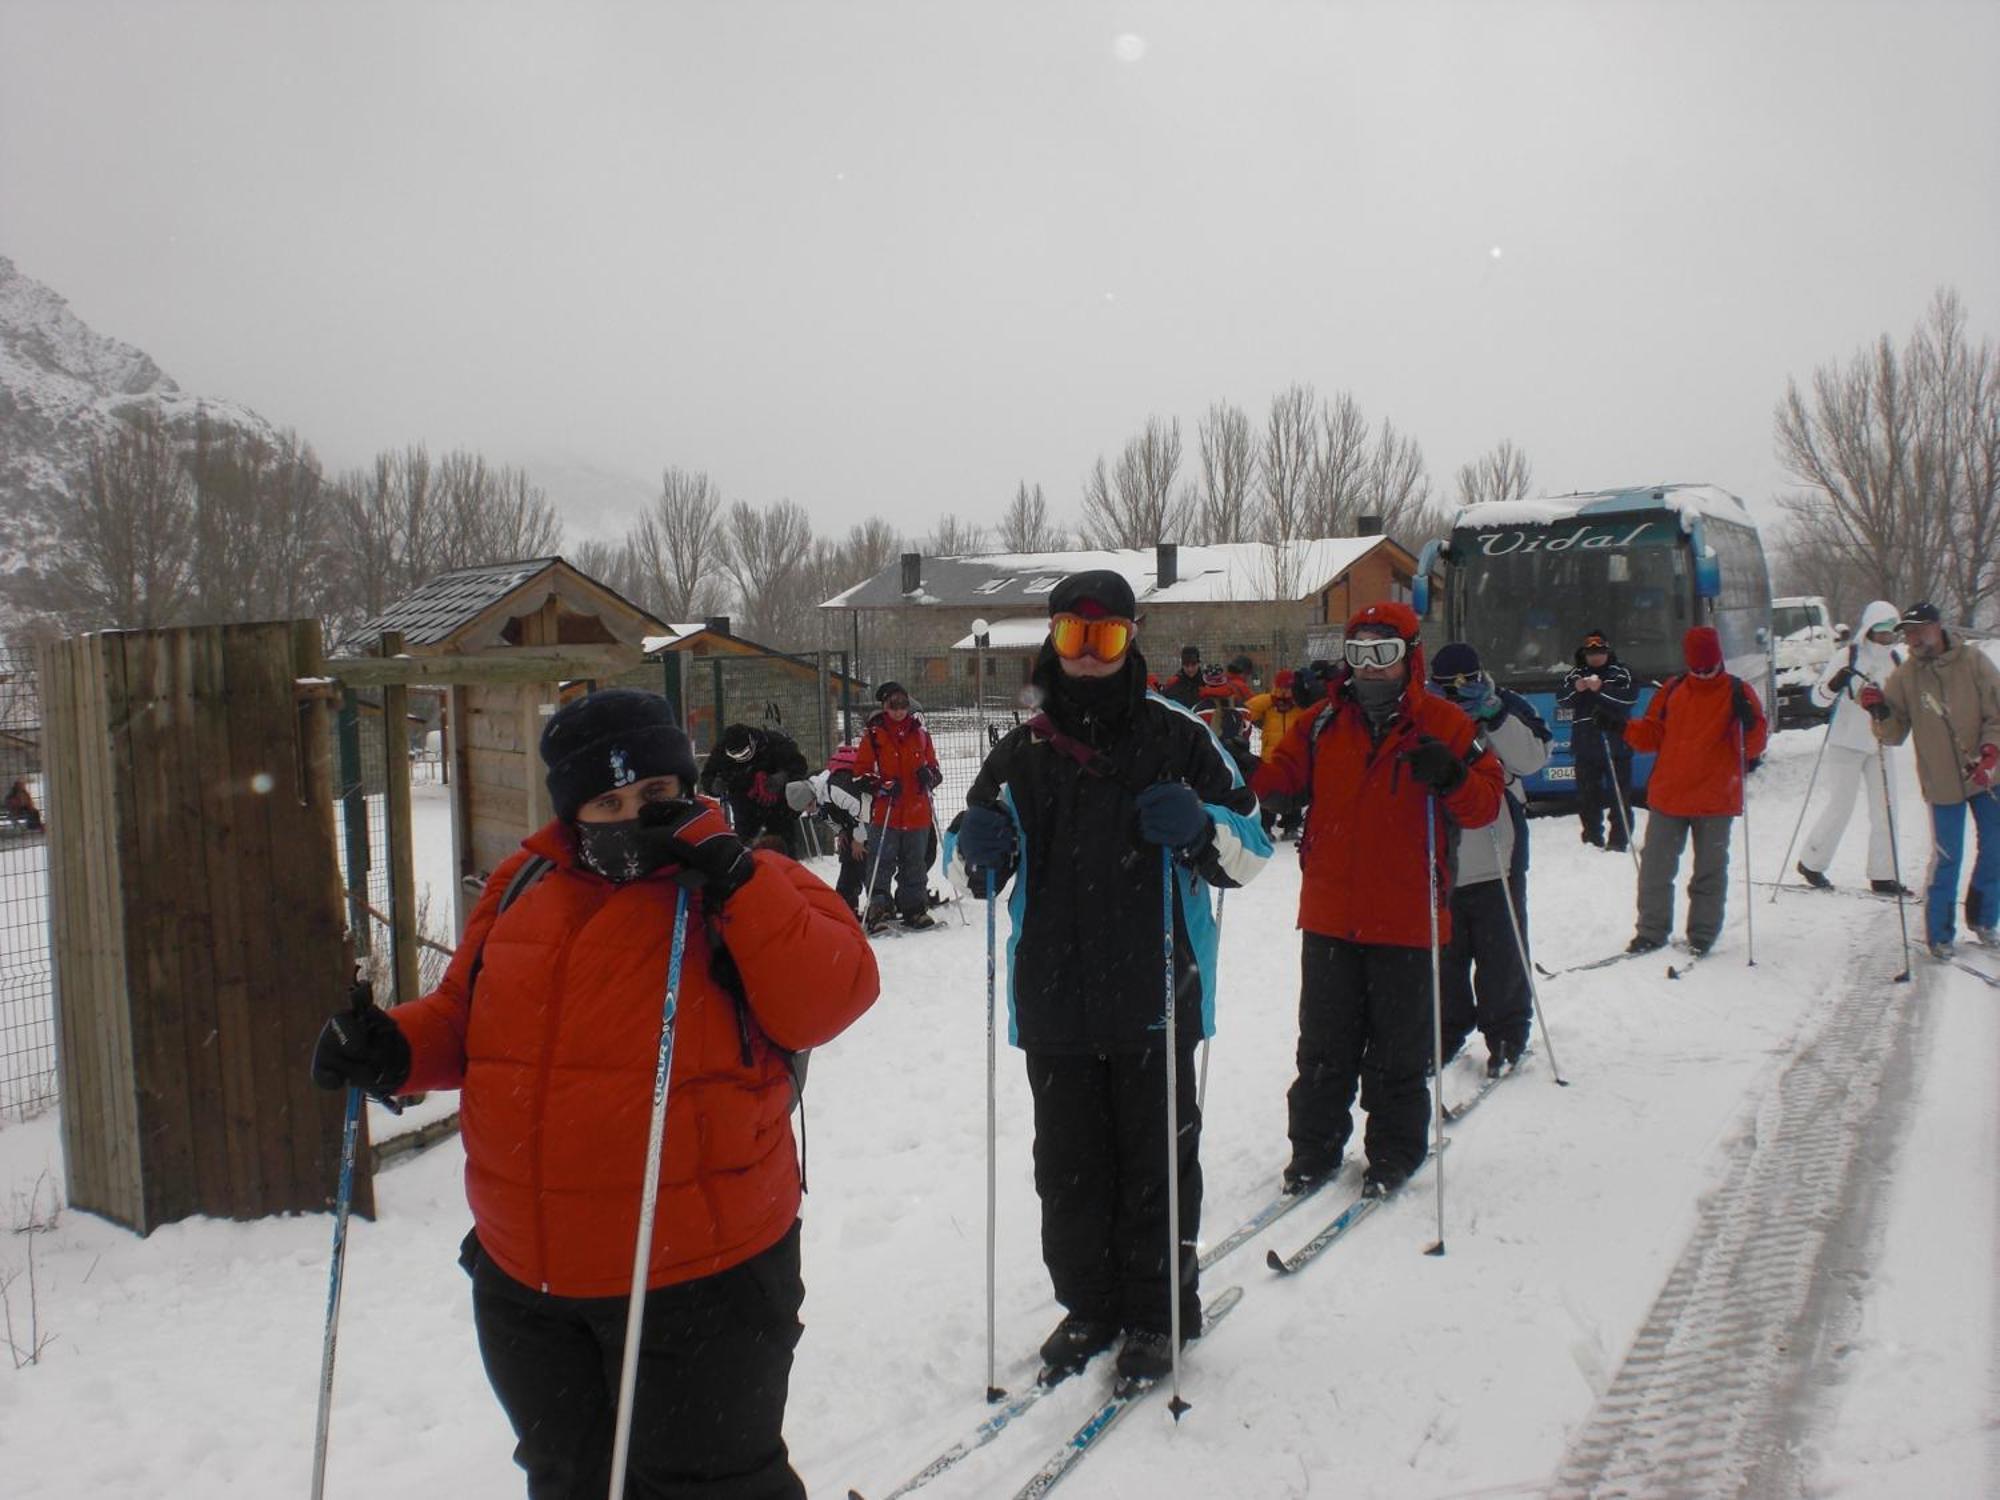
[(896, 257)]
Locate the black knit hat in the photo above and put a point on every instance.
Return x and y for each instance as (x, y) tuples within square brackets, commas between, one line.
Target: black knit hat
[(889, 690), (1108, 592), (608, 739)]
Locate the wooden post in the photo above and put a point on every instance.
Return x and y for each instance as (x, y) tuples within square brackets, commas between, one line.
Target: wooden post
[(403, 930)]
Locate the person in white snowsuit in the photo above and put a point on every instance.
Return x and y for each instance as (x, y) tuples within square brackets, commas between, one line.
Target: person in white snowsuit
[(1850, 758)]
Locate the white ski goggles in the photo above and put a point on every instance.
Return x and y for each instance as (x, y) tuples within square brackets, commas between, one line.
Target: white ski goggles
[(1376, 651)]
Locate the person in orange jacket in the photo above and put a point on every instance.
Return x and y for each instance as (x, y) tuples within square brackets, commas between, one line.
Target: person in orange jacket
[(548, 1022), (897, 753), (1371, 760), (1706, 728), (1274, 713)]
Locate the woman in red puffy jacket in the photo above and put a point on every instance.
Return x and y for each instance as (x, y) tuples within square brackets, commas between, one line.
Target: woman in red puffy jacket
[(548, 1022)]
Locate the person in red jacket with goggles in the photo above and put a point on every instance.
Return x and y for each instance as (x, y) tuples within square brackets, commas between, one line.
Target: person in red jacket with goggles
[(548, 1022), (1367, 763)]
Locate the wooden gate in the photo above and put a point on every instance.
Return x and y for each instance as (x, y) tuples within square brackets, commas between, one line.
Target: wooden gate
[(196, 919)]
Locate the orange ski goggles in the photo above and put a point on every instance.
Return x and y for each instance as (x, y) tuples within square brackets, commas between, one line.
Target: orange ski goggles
[(1106, 638)]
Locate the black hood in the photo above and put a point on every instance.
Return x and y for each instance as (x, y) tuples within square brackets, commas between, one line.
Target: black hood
[(1059, 703), (1610, 658)]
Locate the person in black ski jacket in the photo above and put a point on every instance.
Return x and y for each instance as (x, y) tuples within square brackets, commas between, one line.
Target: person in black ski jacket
[(846, 799), (1600, 696), (749, 769), (1185, 686), (1076, 806)]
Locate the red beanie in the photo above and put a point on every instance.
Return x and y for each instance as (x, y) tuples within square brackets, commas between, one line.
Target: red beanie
[(1703, 648)]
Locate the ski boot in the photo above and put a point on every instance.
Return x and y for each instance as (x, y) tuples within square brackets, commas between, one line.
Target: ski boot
[(1812, 877), (1072, 1345)]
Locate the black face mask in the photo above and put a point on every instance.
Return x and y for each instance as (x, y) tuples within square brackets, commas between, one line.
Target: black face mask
[(1378, 697), (1093, 695), (617, 851)]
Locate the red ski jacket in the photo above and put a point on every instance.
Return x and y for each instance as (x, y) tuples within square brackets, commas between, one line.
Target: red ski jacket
[(893, 752), (555, 1047), (1691, 724), (1363, 846)]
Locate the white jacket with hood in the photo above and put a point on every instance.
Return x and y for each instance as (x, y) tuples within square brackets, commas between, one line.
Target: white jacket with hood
[(1871, 663)]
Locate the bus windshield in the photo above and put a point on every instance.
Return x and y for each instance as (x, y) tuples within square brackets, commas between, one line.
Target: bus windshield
[(1525, 610)]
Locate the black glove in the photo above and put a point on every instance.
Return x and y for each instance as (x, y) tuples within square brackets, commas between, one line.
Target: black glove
[(987, 841), (1839, 680), (362, 1049), (1434, 762), (694, 836), (930, 778), (1171, 815)]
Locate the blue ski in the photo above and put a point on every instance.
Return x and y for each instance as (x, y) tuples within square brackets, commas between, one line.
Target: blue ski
[(1124, 1396)]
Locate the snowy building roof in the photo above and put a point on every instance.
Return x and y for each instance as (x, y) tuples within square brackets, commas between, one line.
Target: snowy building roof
[(1225, 573), (1016, 633), (1690, 500)]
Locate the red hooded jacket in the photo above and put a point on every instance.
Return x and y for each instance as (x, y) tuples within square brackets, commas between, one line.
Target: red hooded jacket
[(894, 752), (1691, 724), (555, 1047), (1363, 847)]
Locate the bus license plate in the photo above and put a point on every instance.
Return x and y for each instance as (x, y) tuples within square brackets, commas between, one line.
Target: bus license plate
[(1561, 773)]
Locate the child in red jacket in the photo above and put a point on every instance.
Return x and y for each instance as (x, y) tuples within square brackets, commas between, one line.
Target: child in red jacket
[(1705, 727)]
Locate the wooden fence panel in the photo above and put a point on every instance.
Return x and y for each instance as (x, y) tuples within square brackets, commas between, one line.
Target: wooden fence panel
[(198, 930)]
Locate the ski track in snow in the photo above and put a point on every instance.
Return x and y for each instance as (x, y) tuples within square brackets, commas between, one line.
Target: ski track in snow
[(1717, 1161)]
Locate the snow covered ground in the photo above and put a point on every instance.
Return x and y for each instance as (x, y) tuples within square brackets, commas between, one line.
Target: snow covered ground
[(185, 1364)]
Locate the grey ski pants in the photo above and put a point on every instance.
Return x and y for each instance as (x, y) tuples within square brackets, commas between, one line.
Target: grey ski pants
[(1659, 863)]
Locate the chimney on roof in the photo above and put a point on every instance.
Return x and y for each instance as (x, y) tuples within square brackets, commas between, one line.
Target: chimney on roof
[(913, 572), (717, 623), (1166, 564), (1367, 525)]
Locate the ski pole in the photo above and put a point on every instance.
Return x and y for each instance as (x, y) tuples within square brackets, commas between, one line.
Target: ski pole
[(1437, 1017), (1895, 859), (1201, 1087), (875, 869), (649, 1199), (993, 1390), (1785, 866), (1749, 892), (1618, 797), (1527, 968), (343, 1201), (1177, 1406)]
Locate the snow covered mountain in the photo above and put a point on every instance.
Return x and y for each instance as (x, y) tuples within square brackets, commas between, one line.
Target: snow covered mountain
[(61, 384)]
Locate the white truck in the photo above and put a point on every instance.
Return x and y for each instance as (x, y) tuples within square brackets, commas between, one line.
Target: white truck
[(1805, 639)]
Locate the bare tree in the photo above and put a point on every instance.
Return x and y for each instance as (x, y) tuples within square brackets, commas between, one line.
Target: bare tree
[(1137, 504), (125, 551), (1898, 452), (1288, 455), (1225, 500), (611, 564), (953, 536), (677, 546), (868, 548), (1339, 476), (490, 515), (764, 553), (1026, 526), (1502, 474)]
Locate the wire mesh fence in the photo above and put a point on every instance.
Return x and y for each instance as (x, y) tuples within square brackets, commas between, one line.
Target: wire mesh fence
[(27, 989)]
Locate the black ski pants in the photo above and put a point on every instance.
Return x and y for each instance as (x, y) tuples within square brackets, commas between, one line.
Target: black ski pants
[(1364, 1017), (1484, 983), (715, 1361), (1603, 762), (1101, 1173), (852, 883), (751, 819)]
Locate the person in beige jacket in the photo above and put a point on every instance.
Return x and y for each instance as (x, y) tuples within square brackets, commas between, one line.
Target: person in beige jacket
[(1945, 699)]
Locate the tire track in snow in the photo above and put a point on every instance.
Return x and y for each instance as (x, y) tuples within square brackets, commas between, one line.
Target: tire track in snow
[(1717, 1390)]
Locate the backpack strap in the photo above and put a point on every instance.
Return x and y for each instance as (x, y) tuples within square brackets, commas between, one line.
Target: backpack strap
[(533, 870), (1094, 762)]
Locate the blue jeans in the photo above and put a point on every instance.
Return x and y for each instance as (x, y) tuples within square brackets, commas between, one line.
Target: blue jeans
[(1982, 897)]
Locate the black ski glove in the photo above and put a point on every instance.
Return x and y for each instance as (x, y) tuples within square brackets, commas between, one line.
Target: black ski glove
[(1839, 680), (930, 778), (361, 1049), (1434, 762), (1171, 815), (695, 836)]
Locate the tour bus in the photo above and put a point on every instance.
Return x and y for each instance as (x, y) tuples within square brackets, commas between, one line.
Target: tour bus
[(1524, 580)]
